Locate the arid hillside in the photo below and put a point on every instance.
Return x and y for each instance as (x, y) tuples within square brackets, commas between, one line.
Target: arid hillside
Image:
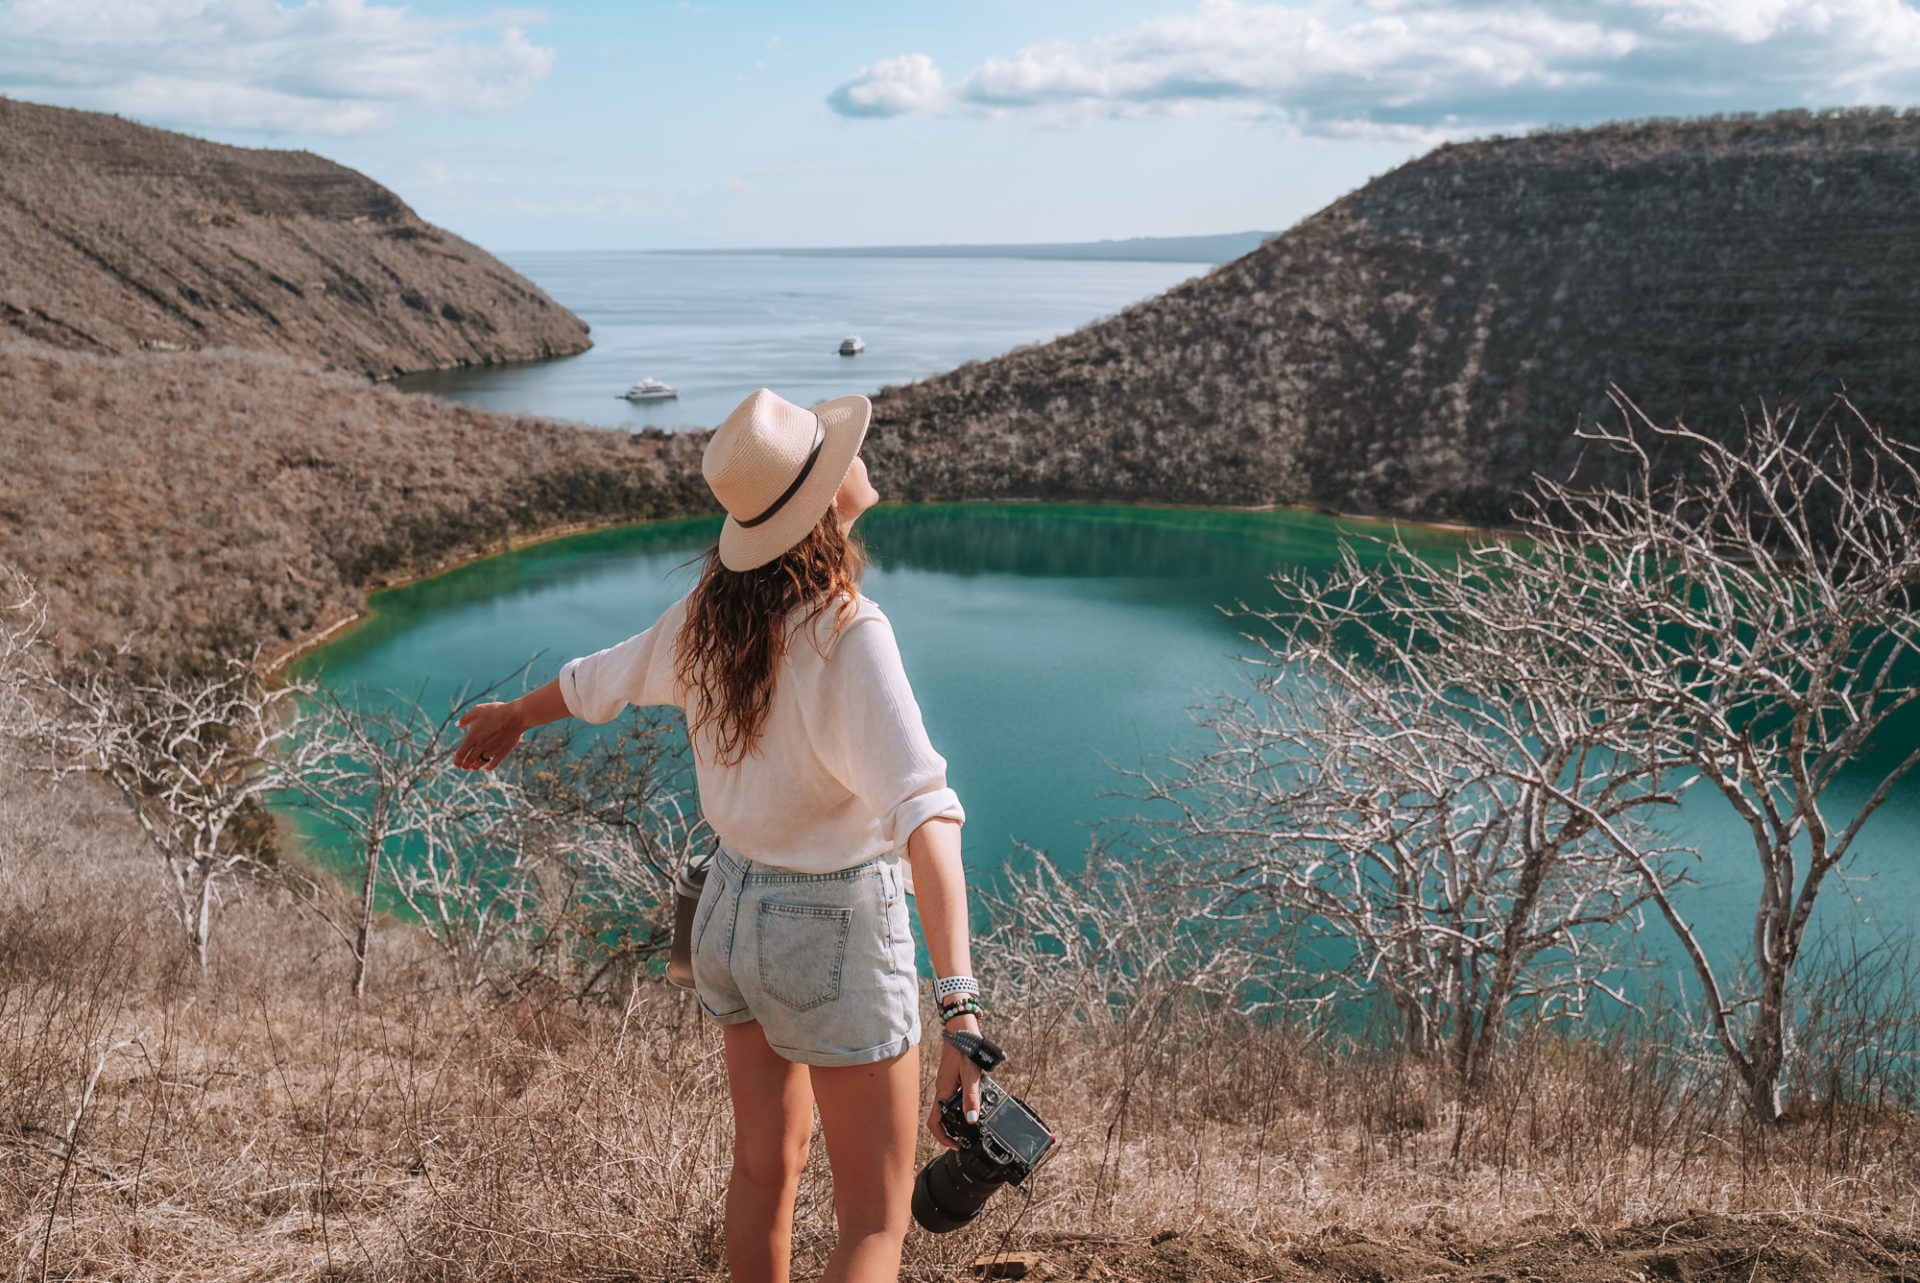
[(115, 237), (1423, 345), (200, 504)]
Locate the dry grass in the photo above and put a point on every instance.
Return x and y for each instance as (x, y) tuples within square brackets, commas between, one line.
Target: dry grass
[(258, 1123)]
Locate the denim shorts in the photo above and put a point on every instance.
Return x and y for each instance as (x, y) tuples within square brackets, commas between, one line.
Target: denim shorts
[(824, 961)]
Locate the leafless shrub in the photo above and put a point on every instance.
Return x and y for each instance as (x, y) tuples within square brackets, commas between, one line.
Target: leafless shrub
[(621, 815), (1407, 810), (1854, 1046), (23, 617), (552, 873), (1113, 945), (192, 758), (469, 874), (1123, 958), (1753, 620), (374, 769)]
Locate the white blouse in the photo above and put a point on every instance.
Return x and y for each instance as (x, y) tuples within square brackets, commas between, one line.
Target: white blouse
[(843, 771)]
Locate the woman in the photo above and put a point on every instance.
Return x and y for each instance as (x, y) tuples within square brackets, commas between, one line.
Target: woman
[(816, 773)]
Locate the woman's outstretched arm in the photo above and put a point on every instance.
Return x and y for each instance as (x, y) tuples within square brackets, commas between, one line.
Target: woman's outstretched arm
[(494, 729), (940, 892)]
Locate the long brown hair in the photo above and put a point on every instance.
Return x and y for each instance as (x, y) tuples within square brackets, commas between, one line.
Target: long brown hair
[(738, 622)]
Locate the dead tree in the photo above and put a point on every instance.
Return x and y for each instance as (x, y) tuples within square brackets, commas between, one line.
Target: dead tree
[(470, 876), (1739, 616), (1756, 613), (192, 757), (371, 767), (1403, 811)]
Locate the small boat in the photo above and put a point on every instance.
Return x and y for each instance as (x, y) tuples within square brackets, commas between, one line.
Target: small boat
[(852, 345), (650, 390)]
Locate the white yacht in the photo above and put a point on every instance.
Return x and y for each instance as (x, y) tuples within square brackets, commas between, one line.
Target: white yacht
[(852, 345), (650, 390)]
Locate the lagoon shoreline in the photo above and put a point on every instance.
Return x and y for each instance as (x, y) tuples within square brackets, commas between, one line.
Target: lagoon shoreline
[(279, 659)]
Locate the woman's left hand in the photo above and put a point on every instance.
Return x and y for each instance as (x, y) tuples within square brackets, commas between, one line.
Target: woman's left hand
[(955, 1071)]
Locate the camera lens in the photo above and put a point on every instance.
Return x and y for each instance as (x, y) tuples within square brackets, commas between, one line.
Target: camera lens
[(946, 1196)]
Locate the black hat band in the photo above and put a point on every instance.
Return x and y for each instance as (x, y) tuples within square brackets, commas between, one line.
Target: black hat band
[(806, 469)]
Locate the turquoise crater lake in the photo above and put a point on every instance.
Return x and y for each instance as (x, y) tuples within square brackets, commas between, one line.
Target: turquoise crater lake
[(1046, 643)]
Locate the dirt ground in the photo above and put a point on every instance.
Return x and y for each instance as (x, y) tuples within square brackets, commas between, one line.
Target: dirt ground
[(1703, 1249)]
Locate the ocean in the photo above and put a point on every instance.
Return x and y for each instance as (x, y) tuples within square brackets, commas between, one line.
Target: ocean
[(719, 326)]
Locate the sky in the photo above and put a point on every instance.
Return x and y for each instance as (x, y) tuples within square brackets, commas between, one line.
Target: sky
[(670, 124)]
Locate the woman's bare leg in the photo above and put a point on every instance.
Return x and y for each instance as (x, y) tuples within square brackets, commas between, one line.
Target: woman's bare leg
[(871, 1116), (772, 1125)]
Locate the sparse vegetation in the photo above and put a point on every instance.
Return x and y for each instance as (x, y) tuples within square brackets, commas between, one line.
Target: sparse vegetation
[(1424, 345), (259, 1121), (203, 504), (116, 237), (1455, 766)]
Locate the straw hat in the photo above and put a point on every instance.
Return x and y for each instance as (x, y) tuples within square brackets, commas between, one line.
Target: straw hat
[(776, 467)]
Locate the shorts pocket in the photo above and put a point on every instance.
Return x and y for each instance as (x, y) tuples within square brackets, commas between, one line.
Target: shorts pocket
[(802, 948)]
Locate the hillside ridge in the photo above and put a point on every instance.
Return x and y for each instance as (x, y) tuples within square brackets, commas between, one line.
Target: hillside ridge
[(117, 237), (1422, 346)]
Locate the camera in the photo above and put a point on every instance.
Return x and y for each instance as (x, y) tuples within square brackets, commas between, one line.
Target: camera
[(1007, 1144)]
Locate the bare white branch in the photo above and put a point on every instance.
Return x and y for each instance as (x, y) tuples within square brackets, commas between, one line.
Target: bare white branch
[(192, 757)]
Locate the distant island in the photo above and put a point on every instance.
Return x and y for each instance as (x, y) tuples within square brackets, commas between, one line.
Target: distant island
[(1137, 249)]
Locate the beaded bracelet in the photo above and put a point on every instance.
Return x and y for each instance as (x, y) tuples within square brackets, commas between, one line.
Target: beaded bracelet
[(966, 1006), (948, 986)]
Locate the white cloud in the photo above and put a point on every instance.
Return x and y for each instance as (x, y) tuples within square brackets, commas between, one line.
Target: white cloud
[(332, 66), (892, 87), (1420, 68)]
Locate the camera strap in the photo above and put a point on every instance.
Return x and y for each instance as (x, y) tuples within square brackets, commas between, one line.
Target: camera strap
[(981, 1050)]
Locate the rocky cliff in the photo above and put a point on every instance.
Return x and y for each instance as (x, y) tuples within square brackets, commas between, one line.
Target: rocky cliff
[(1423, 345), (116, 237)]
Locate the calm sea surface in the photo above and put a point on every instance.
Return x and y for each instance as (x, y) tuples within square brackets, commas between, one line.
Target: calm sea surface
[(1046, 644), (718, 326)]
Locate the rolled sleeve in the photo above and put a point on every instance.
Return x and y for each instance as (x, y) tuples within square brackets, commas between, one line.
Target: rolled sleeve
[(939, 803), (637, 671)]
